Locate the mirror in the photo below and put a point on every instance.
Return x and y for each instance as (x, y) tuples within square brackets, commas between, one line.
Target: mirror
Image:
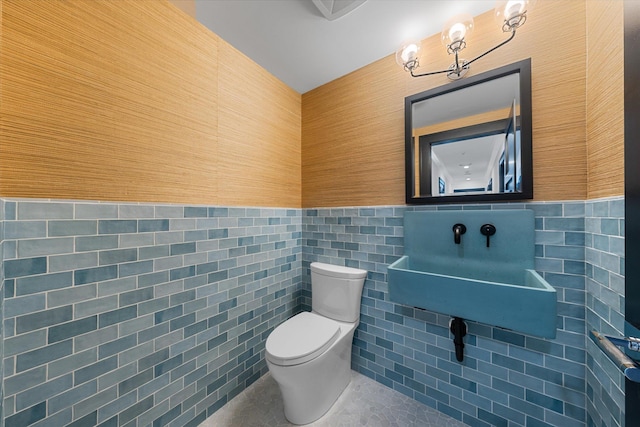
[(470, 140)]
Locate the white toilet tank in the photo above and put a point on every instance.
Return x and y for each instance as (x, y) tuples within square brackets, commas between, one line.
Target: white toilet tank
[(336, 291)]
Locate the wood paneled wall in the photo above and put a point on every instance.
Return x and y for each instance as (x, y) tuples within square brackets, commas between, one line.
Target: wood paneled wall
[(136, 101), (605, 98), (353, 127)]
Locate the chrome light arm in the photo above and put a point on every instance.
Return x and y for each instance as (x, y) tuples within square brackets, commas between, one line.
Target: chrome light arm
[(459, 67)]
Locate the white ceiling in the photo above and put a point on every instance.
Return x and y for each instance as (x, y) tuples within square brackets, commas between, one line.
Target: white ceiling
[(293, 40)]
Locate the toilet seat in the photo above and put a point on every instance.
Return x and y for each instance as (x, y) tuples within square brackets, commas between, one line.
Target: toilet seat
[(300, 339)]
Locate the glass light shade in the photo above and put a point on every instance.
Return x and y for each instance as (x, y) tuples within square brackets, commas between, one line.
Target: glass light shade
[(509, 13), (456, 29), (408, 52)]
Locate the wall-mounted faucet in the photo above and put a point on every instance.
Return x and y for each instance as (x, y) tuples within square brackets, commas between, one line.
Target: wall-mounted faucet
[(488, 230), (458, 230)]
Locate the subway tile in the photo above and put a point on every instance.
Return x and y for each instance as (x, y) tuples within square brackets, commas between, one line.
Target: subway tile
[(24, 342), (34, 358), (544, 401), (135, 240), (565, 252), (182, 273), (72, 261), (95, 243), (564, 224), (68, 364), (117, 256), (610, 227), (95, 401), (25, 267), (42, 319), (169, 212), (117, 316), (114, 347), (71, 329), (136, 211), (16, 383), (44, 210), (24, 229), (195, 211), (94, 370), (135, 268), (183, 248), (23, 305), (547, 209), (42, 283), (97, 274), (153, 225), (71, 295), (51, 246), (72, 228), (70, 397), (96, 210), (28, 416), (117, 226), (43, 391), (153, 278), (151, 252), (134, 297), (182, 224)]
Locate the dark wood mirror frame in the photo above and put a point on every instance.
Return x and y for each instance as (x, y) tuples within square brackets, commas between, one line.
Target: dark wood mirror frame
[(521, 67)]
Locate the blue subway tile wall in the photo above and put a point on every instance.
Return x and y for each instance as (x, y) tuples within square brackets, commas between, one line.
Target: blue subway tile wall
[(139, 314), (604, 221), (1, 309), (506, 378)]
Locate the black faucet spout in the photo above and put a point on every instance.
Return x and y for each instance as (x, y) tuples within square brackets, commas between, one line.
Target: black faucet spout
[(458, 230)]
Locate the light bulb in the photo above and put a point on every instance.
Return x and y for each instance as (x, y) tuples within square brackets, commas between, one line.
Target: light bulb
[(513, 9), (455, 30), (407, 54), (511, 14)]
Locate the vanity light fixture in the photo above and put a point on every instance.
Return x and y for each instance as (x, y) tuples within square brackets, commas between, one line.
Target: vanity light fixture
[(509, 14)]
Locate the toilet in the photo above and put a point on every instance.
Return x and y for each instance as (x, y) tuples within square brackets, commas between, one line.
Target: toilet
[(309, 355)]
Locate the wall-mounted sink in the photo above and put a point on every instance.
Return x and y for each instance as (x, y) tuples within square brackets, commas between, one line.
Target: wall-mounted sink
[(496, 285)]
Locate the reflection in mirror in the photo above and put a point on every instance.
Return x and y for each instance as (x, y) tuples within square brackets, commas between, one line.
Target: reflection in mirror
[(471, 141)]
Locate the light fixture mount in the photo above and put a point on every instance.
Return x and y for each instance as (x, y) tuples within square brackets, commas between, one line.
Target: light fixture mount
[(510, 15)]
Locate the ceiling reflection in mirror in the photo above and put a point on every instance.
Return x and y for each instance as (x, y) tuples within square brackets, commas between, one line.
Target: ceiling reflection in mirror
[(471, 140)]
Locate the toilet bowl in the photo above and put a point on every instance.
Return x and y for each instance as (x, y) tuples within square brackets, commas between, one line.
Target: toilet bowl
[(309, 355)]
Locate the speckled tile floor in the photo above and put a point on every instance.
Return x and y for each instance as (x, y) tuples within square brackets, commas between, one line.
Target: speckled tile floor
[(363, 403)]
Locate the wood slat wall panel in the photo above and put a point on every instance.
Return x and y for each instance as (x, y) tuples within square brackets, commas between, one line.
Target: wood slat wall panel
[(108, 100), (101, 100), (350, 150), (605, 98), (353, 133)]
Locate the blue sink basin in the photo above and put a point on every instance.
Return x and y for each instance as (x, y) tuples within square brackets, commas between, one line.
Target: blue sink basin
[(496, 285)]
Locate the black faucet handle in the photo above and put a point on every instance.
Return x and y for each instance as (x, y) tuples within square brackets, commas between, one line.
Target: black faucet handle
[(458, 230), (488, 230)]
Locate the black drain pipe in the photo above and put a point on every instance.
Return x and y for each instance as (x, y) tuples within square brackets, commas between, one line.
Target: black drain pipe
[(459, 329)]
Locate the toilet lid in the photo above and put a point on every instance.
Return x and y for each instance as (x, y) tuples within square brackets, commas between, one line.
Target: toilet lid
[(302, 338)]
